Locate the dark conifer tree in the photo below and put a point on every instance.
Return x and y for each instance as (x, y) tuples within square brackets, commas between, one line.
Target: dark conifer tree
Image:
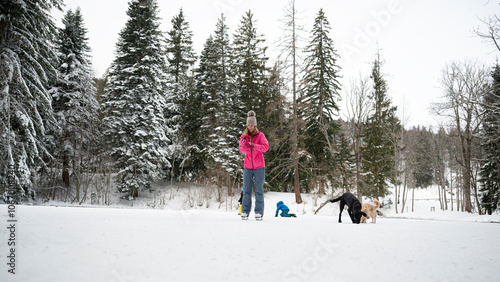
[(27, 66), (74, 101), (205, 99), (221, 123), (344, 161), (135, 100), (379, 146), (182, 110), (490, 143), (423, 172), (181, 56), (250, 66), (320, 97)]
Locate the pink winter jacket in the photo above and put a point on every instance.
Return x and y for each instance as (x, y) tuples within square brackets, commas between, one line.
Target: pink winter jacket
[(253, 146)]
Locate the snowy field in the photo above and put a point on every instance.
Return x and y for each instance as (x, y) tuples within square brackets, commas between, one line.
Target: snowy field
[(213, 244)]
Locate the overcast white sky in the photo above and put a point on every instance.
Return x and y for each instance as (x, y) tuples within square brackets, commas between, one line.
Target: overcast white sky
[(417, 38)]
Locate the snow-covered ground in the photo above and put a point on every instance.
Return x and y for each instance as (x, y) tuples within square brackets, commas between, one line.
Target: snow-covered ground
[(173, 242)]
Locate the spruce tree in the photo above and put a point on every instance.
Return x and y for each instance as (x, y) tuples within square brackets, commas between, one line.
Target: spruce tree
[(250, 65), (193, 162), (320, 97), (27, 66), (344, 161), (206, 100), (181, 56), (179, 113), (73, 95), (135, 100), (221, 123), (490, 143), (424, 170), (378, 148)]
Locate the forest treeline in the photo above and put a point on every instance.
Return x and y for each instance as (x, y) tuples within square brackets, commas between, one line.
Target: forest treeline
[(163, 112)]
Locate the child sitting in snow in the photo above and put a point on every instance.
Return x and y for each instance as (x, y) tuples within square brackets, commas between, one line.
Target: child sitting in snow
[(284, 210)]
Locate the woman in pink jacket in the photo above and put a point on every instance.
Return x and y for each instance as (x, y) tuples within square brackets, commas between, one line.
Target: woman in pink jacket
[(253, 144)]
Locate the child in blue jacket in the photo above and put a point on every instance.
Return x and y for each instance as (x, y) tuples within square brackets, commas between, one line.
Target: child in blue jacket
[(284, 210)]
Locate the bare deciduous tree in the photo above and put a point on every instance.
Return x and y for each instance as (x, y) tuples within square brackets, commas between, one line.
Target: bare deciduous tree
[(289, 43), (358, 107), (464, 85), (492, 33)]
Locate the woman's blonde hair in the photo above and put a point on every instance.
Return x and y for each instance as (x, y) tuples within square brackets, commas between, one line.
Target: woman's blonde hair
[(247, 132)]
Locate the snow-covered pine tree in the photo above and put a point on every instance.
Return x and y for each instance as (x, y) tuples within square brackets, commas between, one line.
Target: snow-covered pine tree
[(193, 139), (179, 114), (221, 124), (27, 65), (134, 102), (250, 66), (205, 102), (378, 148), (74, 102), (181, 56), (490, 143), (320, 95)]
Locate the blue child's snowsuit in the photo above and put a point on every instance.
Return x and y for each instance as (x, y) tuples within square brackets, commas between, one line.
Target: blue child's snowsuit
[(284, 209)]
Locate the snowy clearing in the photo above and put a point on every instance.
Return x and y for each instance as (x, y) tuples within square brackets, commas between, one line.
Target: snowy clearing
[(211, 244)]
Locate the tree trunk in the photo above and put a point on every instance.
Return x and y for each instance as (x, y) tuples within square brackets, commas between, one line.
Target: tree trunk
[(413, 199), (474, 183), (467, 184), (477, 200), (396, 197), (298, 198), (77, 169), (443, 186), (458, 195), (358, 180), (65, 172), (403, 199), (321, 189), (108, 183), (172, 174), (358, 163), (451, 188), (440, 198)]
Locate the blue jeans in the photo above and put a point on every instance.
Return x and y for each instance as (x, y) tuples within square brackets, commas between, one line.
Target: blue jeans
[(249, 176)]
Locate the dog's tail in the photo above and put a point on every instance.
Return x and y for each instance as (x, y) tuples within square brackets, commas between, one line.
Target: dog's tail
[(376, 204), (335, 200)]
